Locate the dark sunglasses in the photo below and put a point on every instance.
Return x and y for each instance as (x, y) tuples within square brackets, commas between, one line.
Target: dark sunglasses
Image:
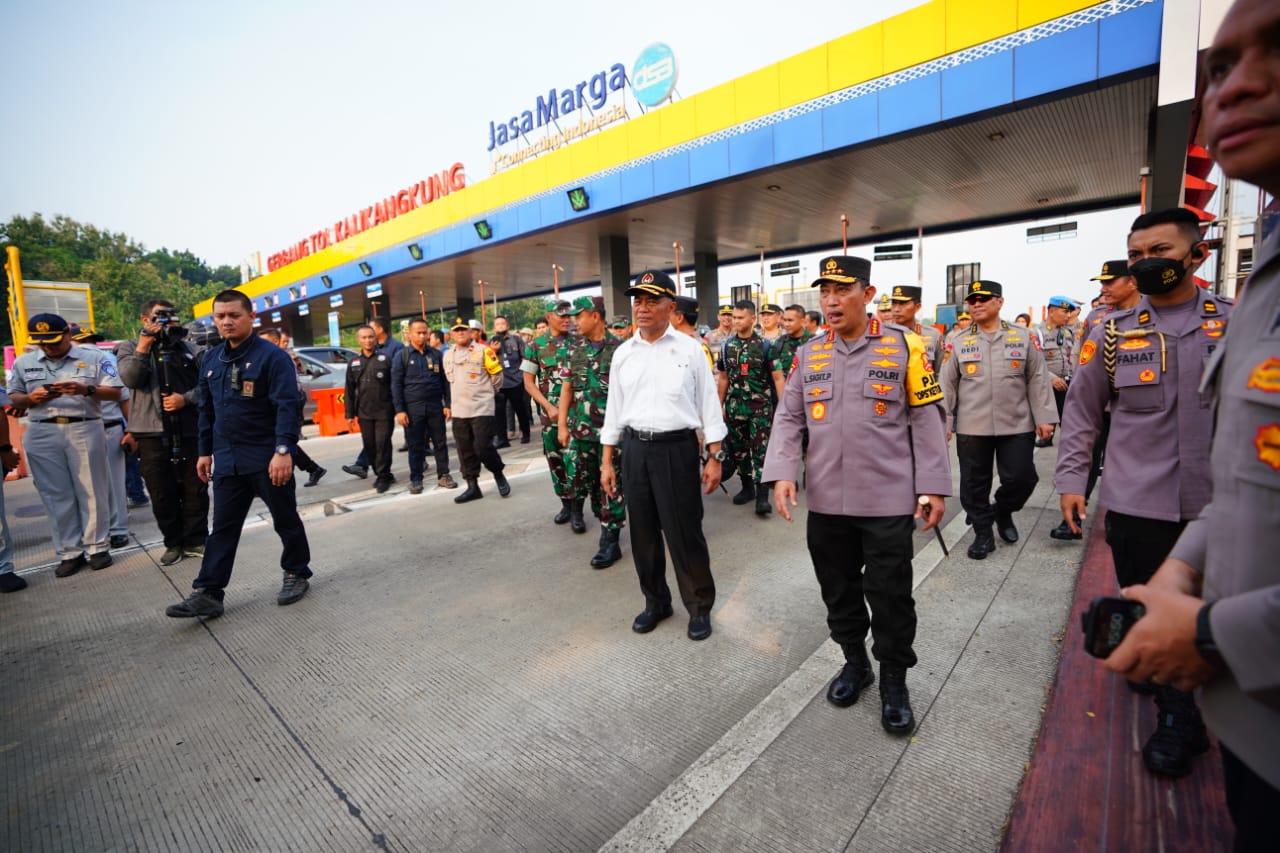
[(977, 299)]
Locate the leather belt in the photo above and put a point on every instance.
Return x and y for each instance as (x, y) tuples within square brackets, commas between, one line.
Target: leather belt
[(65, 420), (653, 435), (110, 424)]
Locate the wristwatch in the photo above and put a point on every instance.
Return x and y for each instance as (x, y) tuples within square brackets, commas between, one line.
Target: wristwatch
[(282, 449), (720, 455), (90, 390), (1205, 645)]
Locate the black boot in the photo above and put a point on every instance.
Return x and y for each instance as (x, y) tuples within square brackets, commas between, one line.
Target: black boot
[(1063, 530), (504, 488), (895, 701), (562, 517), (576, 522), (748, 491), (983, 544), (472, 493), (609, 552), (853, 678), (764, 500), (1179, 734)]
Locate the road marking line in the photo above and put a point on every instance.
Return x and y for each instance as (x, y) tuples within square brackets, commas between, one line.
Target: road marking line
[(674, 811)]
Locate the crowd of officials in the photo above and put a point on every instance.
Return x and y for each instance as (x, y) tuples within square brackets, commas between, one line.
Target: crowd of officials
[(641, 418)]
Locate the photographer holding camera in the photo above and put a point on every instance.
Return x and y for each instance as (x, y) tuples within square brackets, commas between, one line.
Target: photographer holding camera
[(163, 372)]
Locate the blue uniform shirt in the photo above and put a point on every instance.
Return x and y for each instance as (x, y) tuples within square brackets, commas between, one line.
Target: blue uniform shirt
[(86, 365), (418, 377), (249, 405)]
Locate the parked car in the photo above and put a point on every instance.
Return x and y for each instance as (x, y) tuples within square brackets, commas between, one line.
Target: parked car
[(316, 375), (327, 355)]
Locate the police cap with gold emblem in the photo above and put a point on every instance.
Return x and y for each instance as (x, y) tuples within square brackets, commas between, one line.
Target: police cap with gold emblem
[(770, 308), (843, 269), (653, 283), (905, 293), (725, 309), (46, 328), (984, 287), (460, 326), (1112, 269)]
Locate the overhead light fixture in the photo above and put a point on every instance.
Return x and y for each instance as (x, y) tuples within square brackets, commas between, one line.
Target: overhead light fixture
[(875, 227), (326, 281), (637, 219), (578, 199), (1042, 201), (415, 251), (995, 137), (365, 269), (483, 230), (773, 188)]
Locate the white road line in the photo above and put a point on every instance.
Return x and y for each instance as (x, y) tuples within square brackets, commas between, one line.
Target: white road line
[(673, 812)]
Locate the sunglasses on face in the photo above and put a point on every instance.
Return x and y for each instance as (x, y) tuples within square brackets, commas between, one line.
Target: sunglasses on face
[(978, 300)]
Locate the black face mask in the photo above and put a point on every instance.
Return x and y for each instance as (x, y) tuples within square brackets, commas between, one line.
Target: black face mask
[(1155, 276)]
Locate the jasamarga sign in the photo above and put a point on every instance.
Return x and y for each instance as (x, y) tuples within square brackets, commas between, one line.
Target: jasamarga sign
[(559, 103)]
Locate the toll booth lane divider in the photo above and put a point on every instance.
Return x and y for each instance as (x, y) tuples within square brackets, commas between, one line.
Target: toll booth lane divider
[(330, 416)]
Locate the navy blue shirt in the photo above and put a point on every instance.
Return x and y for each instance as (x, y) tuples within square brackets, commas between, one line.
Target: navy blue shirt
[(391, 346), (242, 422), (418, 377)]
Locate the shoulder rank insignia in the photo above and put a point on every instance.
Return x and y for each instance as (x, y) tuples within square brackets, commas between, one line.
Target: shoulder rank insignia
[(1210, 307), (873, 328), (1144, 317)]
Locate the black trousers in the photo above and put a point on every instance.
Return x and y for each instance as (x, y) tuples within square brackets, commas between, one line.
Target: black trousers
[(519, 400), (376, 439), (1015, 461), (474, 437), (1139, 545), (179, 499), (233, 494), (1099, 455), (861, 561), (663, 485), (426, 420), (1254, 806)]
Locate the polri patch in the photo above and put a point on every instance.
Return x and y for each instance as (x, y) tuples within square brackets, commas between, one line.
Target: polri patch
[(1266, 376), (1267, 442)]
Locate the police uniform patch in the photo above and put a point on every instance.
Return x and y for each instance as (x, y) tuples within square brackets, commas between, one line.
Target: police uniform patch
[(971, 368), (108, 369), (1144, 317), (81, 364), (1136, 343), (1266, 376), (1147, 375), (884, 362), (887, 339), (881, 407), (880, 388), (1267, 442), (246, 388), (1210, 307), (1213, 328), (1017, 365), (1087, 351), (818, 411), (887, 350)]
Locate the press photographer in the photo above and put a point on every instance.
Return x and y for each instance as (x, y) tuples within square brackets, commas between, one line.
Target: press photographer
[(163, 370)]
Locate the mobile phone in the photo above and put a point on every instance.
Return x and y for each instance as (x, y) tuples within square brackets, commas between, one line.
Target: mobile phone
[(48, 386), (1106, 622)]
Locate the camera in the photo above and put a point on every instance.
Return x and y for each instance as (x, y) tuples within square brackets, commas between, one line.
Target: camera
[(1106, 622), (170, 331)]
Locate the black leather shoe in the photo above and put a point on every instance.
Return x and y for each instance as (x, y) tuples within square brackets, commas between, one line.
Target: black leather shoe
[(853, 678), (649, 619), (293, 588), (501, 444), (524, 439), (415, 487), (983, 544), (472, 493), (609, 552), (120, 540), (1004, 526), (381, 486), (562, 517), (171, 555), (700, 626), (577, 523), (356, 471), (10, 582), (764, 500), (198, 603), (504, 488), (100, 560), (1063, 531), (70, 566), (1179, 735), (315, 476), (747, 494), (895, 702)]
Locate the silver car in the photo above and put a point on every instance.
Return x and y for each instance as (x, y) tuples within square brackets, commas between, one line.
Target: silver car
[(315, 376), (328, 355)]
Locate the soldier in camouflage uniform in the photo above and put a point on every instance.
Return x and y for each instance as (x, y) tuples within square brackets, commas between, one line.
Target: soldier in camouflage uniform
[(746, 377), (542, 362), (584, 389), (784, 351)]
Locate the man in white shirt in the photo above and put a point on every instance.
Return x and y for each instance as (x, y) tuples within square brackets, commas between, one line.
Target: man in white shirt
[(661, 391)]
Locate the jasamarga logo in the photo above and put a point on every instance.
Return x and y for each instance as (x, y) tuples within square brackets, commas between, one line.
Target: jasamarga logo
[(593, 93)]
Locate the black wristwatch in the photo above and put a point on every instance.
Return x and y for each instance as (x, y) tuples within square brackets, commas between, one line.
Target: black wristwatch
[(1205, 645), (90, 390)]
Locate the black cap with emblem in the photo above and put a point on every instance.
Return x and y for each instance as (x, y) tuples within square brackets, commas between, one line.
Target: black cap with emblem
[(843, 269), (653, 283)]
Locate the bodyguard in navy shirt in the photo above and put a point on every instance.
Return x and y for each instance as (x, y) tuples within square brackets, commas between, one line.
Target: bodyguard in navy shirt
[(248, 425)]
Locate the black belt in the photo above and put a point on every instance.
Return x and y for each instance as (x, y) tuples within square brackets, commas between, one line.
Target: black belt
[(652, 435), (110, 424), (65, 420)]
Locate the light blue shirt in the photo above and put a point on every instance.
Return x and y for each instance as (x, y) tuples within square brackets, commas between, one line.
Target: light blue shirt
[(86, 365)]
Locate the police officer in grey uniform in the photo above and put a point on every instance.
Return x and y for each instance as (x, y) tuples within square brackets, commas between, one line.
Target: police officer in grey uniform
[(864, 391), (1058, 343), (998, 393), (906, 301), (1146, 363), (63, 386)]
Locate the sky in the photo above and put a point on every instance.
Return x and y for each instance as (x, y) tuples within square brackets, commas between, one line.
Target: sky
[(234, 127)]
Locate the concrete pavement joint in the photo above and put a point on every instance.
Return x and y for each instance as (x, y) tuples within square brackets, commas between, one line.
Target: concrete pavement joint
[(679, 806)]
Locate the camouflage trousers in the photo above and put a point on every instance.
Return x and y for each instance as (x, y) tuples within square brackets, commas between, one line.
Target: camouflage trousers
[(582, 459), (555, 462), (748, 436)]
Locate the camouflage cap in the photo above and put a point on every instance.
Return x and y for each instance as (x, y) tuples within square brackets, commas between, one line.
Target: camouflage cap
[(620, 322)]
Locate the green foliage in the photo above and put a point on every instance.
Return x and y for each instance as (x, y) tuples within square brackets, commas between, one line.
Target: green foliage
[(121, 272)]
